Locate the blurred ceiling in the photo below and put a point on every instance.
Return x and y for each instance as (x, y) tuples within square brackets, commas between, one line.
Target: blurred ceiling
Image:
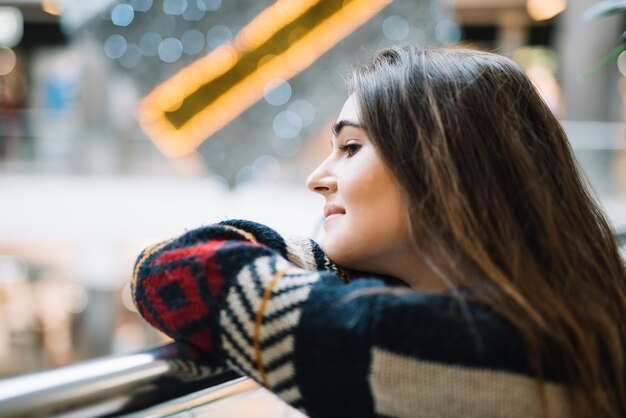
[(152, 40)]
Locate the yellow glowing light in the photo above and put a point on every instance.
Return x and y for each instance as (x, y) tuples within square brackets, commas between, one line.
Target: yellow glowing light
[(178, 115), (170, 98), (270, 21), (545, 9), (267, 58), (51, 7)]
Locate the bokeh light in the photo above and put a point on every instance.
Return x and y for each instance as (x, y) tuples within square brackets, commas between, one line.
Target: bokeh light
[(545, 9), (304, 109), (396, 28), (132, 56), (122, 14), (8, 60), (541, 66), (277, 92), (76, 297), (51, 7), (174, 7), (265, 168), (287, 124), (115, 46), (141, 5), (195, 11), (217, 35), (244, 175), (11, 26), (254, 11), (149, 44), (448, 32), (193, 42), (209, 5), (170, 50), (621, 63), (220, 181)]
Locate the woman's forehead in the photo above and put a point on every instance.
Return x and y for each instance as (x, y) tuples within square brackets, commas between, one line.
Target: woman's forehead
[(349, 112)]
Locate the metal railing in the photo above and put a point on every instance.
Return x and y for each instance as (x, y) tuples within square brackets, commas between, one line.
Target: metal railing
[(156, 382)]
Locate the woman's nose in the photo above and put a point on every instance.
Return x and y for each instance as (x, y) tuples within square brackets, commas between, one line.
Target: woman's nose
[(322, 180)]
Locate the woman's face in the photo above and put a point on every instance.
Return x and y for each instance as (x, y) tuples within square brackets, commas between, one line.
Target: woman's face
[(365, 218)]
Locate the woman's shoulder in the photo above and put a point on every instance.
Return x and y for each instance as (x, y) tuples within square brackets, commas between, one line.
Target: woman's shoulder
[(409, 350), (447, 328)]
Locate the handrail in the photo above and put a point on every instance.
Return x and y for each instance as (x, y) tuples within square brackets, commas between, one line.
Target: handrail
[(120, 385)]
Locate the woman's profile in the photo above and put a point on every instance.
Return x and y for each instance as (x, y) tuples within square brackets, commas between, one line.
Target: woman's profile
[(465, 268)]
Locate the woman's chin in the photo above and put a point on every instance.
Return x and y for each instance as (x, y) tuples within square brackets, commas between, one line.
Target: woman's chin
[(331, 250), (341, 257)]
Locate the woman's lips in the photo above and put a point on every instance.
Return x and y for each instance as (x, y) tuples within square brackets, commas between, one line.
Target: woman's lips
[(333, 210), (330, 218)]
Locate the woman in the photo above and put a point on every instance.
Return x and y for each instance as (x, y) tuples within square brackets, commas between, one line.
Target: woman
[(483, 278)]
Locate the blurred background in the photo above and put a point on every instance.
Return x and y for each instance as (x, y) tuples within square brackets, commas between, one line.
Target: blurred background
[(127, 122)]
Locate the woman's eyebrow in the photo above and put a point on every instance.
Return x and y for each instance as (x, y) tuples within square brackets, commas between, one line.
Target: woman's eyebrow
[(337, 127)]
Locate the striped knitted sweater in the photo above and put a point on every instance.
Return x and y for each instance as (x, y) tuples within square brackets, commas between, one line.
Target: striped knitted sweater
[(282, 313)]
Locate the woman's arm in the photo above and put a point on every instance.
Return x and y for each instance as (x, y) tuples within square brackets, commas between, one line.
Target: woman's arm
[(324, 346), (229, 290)]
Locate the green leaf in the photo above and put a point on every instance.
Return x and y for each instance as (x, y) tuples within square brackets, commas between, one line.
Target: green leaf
[(604, 8), (611, 56)]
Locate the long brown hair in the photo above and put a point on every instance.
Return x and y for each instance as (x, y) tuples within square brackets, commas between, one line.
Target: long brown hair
[(495, 199)]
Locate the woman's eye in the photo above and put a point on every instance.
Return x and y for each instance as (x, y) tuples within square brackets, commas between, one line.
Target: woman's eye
[(350, 149)]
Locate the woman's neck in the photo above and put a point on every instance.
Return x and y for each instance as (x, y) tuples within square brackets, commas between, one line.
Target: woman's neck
[(413, 270)]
